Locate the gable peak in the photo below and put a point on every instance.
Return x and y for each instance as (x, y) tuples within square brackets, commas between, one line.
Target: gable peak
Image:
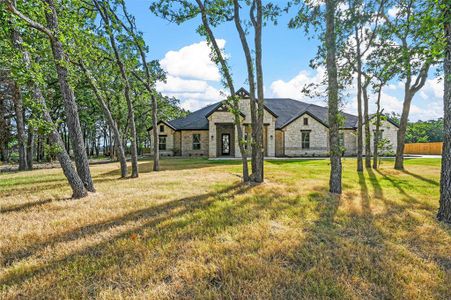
[(242, 93)]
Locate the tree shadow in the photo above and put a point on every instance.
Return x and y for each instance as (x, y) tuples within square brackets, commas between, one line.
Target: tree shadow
[(364, 194), (21, 207), (378, 192), (182, 206), (397, 184), (427, 180)]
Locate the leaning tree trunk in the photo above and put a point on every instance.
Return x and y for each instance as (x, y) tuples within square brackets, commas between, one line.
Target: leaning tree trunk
[(109, 119), (73, 121), (235, 107), (77, 185), (131, 114), (444, 212), (335, 152), (401, 138)]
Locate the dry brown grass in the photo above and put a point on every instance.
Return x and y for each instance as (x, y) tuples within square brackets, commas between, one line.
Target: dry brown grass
[(193, 231)]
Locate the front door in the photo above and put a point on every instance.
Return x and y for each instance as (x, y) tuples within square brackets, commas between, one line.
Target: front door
[(225, 138)]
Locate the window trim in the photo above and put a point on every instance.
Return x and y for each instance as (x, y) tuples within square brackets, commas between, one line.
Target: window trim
[(303, 142), (160, 144), (196, 144)]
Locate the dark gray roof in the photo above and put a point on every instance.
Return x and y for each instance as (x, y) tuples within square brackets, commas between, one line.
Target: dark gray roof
[(287, 110), (196, 120)]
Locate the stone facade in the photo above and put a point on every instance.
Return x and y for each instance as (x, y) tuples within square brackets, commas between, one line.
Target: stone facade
[(319, 137), (281, 142), (169, 134), (187, 148), (219, 118)]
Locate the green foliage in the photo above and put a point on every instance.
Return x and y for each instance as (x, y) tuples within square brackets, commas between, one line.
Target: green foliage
[(425, 131)]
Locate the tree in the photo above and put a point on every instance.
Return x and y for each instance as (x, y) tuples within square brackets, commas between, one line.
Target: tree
[(363, 19), (333, 35), (60, 60), (213, 13), (410, 40), (444, 212), (152, 73), (335, 185), (104, 10), (109, 117)]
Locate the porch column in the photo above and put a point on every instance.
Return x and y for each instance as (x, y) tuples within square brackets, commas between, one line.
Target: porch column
[(211, 138)]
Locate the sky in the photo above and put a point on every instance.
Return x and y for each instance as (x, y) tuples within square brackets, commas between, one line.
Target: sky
[(196, 81)]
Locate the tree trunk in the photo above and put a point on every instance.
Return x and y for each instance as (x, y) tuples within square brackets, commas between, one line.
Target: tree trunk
[(259, 171), (359, 105), (367, 124), (377, 133), (4, 130), (156, 150), (401, 138), (77, 185), (73, 122), (30, 147), (335, 151), (18, 107), (20, 125), (109, 119), (104, 12), (235, 107), (444, 212)]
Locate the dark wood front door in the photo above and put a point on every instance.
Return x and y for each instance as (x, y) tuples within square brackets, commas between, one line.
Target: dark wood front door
[(225, 142)]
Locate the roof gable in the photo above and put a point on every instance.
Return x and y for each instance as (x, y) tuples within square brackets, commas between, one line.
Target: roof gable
[(285, 111)]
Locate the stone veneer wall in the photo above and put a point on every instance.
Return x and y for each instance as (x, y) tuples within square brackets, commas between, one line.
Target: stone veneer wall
[(226, 117), (169, 133), (187, 143), (390, 132), (319, 138)]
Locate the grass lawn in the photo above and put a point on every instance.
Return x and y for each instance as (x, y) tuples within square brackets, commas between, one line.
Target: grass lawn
[(192, 231)]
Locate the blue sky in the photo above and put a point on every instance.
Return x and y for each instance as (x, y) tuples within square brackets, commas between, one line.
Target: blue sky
[(286, 54)]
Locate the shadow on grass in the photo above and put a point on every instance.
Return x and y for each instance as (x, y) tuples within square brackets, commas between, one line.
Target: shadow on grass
[(175, 164), (16, 208), (419, 177), (397, 183), (151, 216), (341, 256), (378, 192)]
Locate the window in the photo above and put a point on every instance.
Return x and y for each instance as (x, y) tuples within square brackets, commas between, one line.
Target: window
[(196, 141), (305, 139), (381, 134), (161, 128), (162, 143), (306, 121)]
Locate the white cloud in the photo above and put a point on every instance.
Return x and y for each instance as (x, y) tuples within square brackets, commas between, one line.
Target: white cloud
[(427, 104), (293, 87), (190, 73), (192, 61)]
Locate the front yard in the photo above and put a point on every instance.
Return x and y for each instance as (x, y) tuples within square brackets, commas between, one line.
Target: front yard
[(193, 231)]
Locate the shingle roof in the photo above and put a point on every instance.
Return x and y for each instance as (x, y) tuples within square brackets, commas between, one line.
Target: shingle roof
[(287, 110), (196, 120)]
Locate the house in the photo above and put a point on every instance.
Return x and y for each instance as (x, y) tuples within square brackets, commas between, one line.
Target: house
[(291, 129)]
